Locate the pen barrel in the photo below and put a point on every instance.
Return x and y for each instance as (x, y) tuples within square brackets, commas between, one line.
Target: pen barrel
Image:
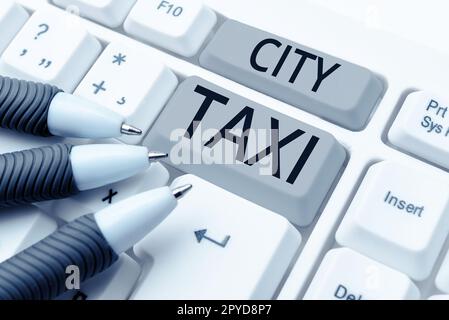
[(24, 105), (46, 270), (36, 175)]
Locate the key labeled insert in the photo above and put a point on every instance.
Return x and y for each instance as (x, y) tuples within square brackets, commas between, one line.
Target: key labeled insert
[(400, 217)]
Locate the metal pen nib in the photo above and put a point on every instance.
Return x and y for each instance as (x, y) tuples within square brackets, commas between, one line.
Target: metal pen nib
[(130, 130), (178, 193), (156, 156)]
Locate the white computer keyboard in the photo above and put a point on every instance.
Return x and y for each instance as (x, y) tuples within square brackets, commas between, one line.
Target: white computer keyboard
[(376, 231)]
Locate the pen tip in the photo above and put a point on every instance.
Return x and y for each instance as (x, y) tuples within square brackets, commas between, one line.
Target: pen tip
[(130, 130), (156, 156), (181, 191)]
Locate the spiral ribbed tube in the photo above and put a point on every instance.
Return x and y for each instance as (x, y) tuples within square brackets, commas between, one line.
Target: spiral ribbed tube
[(24, 105), (36, 175), (39, 272)]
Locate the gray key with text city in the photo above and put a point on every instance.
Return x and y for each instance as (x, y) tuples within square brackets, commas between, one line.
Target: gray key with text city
[(331, 88)]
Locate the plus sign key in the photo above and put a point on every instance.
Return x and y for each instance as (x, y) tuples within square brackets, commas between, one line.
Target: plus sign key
[(131, 82), (52, 47), (422, 127)]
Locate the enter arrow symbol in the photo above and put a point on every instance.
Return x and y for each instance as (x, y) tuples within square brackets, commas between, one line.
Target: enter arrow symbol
[(201, 234)]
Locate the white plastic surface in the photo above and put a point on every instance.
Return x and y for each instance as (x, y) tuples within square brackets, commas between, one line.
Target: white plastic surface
[(127, 222), (76, 117), (347, 275), (134, 83), (102, 164), (216, 245), (442, 278), (52, 47), (439, 297), (12, 18), (180, 26), (108, 12)]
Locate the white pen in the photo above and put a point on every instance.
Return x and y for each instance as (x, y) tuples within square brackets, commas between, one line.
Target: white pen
[(61, 170), (45, 110), (91, 243)]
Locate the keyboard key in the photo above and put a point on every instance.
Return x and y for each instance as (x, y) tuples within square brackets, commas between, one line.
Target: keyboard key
[(422, 127), (111, 13), (347, 275), (248, 149), (180, 26), (21, 228), (12, 18), (400, 217), (94, 200), (52, 47), (115, 81), (116, 283), (326, 86), (216, 245), (442, 278)]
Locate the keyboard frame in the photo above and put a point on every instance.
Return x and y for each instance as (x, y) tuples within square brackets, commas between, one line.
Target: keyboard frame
[(403, 66)]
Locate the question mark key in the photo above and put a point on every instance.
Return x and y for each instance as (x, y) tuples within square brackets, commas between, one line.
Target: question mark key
[(43, 28), (56, 51)]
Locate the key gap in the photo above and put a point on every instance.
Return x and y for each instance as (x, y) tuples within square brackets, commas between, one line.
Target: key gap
[(397, 108), (427, 286), (385, 87), (331, 242), (307, 231)]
